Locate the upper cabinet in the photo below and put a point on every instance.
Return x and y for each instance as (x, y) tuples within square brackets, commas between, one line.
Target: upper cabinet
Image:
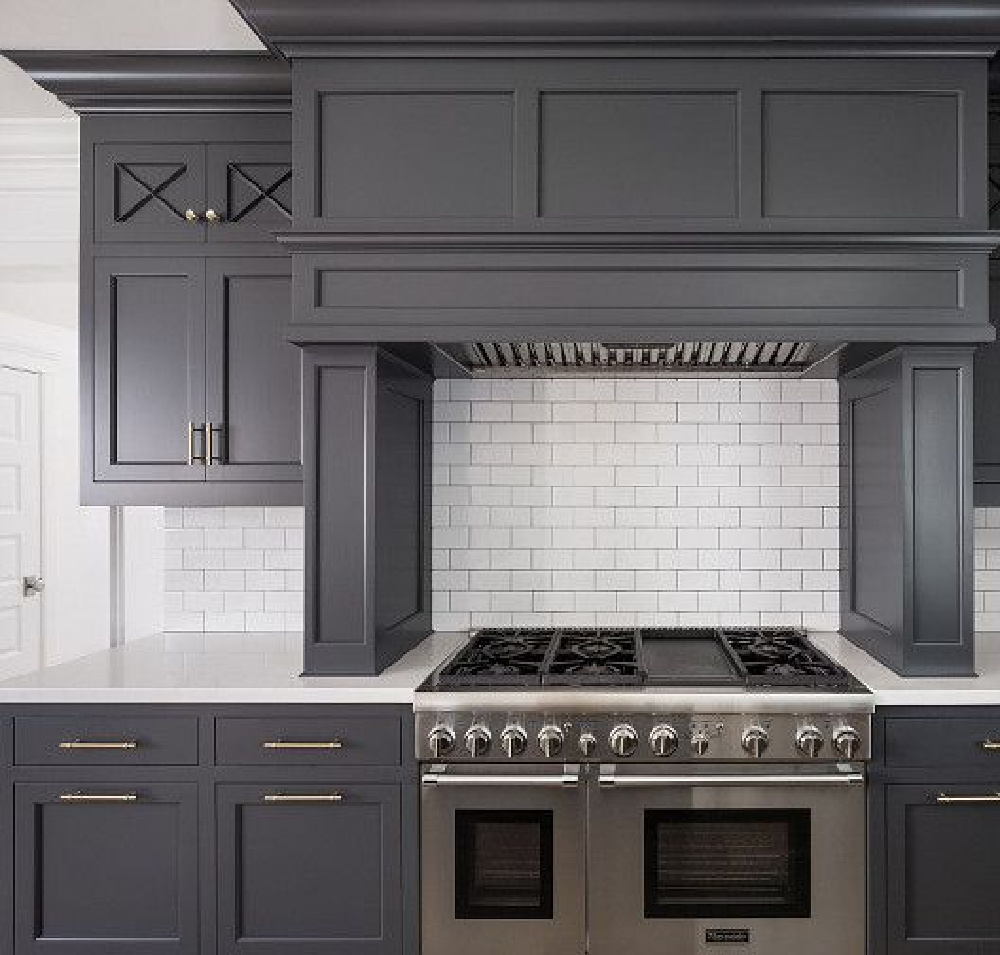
[(190, 192), (638, 145)]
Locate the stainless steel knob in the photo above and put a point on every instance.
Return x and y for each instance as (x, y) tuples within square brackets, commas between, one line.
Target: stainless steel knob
[(755, 741), (699, 742), (477, 740), (514, 741), (847, 742), (809, 741), (550, 741), (441, 741), (587, 744), (624, 740), (663, 740)]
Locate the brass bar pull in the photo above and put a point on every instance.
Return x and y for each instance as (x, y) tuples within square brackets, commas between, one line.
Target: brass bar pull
[(192, 431), (91, 744), (991, 744), (945, 799), (99, 797), (291, 744), (209, 456), (276, 798)]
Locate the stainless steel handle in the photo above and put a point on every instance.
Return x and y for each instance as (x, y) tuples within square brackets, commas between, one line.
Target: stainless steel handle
[(566, 779), (192, 431), (32, 585), (211, 457), (991, 745), (946, 799), (99, 797), (274, 798), (745, 780), (98, 744), (294, 744)]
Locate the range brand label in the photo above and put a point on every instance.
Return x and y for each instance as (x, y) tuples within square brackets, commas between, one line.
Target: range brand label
[(727, 936)]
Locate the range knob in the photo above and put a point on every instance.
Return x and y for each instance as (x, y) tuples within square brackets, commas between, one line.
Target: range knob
[(587, 744), (847, 742), (477, 740), (699, 742), (663, 740), (441, 741), (755, 741), (809, 741), (514, 741), (550, 741), (624, 740)]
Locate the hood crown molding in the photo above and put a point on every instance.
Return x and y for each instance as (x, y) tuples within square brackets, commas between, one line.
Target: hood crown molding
[(293, 26), (96, 82)]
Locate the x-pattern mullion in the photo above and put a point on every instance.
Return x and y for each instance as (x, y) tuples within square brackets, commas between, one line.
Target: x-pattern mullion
[(152, 192), (262, 193)]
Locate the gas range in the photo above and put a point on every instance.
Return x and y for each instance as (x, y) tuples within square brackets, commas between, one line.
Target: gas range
[(602, 695)]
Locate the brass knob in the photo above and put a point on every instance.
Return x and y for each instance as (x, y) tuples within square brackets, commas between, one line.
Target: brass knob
[(191, 215), (212, 216)]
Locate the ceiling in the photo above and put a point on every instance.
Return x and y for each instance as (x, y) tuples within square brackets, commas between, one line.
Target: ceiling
[(107, 25)]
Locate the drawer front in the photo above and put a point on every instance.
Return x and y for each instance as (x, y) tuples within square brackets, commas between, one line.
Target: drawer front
[(312, 741), (118, 740), (967, 742)]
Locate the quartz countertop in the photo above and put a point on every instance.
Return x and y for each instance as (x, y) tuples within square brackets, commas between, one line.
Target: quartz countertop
[(221, 668)]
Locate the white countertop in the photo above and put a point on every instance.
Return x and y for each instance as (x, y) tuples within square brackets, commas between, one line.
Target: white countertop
[(266, 667), (221, 668)]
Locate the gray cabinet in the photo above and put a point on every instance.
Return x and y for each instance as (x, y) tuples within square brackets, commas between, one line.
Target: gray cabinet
[(934, 846), (309, 869), (986, 426), (105, 868), (193, 379)]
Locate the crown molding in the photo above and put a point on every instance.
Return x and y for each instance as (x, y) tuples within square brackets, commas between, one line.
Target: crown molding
[(98, 82)]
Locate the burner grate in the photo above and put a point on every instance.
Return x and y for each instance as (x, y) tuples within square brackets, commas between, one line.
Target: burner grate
[(783, 657), (595, 657)]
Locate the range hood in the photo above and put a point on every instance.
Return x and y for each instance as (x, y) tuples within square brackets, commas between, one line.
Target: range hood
[(589, 357)]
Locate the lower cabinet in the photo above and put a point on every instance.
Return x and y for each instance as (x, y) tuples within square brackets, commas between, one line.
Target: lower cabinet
[(935, 832), (105, 869), (309, 869)]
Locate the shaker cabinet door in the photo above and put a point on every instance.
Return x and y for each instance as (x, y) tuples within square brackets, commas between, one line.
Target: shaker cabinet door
[(106, 869), (149, 369), (943, 869), (143, 192), (309, 869), (254, 374), (249, 188), (986, 409)]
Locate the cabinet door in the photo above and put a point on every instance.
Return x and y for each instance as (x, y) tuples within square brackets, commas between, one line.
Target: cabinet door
[(106, 876), (309, 869), (986, 408), (142, 192), (943, 869), (250, 187), (254, 374), (149, 369)]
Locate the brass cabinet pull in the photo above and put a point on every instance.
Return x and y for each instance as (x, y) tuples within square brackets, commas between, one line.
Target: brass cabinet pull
[(292, 744), (211, 457), (946, 799), (99, 797), (192, 431), (191, 215), (92, 744), (303, 797), (991, 745), (212, 216)]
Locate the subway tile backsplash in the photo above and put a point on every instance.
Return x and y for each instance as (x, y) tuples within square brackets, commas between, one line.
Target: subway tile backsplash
[(588, 501)]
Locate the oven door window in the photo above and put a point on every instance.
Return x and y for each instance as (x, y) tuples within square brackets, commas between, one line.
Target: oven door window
[(703, 863), (503, 864)]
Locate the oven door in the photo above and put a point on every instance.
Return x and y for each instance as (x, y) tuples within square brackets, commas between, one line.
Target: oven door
[(503, 860), (754, 860)]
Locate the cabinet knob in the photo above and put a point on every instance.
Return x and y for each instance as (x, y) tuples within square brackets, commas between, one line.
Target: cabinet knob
[(191, 215), (212, 216)]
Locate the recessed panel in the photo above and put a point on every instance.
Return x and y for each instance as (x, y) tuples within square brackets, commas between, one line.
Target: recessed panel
[(10, 558), (639, 154), (857, 154), (10, 630), (10, 488), (400, 155), (10, 417)]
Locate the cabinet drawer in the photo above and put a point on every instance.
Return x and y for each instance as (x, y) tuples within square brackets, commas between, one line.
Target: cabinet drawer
[(967, 742), (105, 741), (313, 741)]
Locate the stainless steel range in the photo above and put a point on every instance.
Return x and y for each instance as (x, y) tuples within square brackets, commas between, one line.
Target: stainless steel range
[(682, 791)]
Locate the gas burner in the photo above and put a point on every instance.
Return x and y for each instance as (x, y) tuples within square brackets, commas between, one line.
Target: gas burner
[(783, 658), (595, 657), (500, 658)]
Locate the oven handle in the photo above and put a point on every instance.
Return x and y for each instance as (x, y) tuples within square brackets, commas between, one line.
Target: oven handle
[(568, 778), (610, 780)]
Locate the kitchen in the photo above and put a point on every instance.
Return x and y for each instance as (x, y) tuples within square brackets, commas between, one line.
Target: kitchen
[(560, 447)]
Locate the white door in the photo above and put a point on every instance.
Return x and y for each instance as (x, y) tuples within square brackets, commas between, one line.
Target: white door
[(20, 522)]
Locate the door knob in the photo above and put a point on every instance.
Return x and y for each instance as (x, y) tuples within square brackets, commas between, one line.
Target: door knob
[(191, 215), (212, 216), (33, 585)]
